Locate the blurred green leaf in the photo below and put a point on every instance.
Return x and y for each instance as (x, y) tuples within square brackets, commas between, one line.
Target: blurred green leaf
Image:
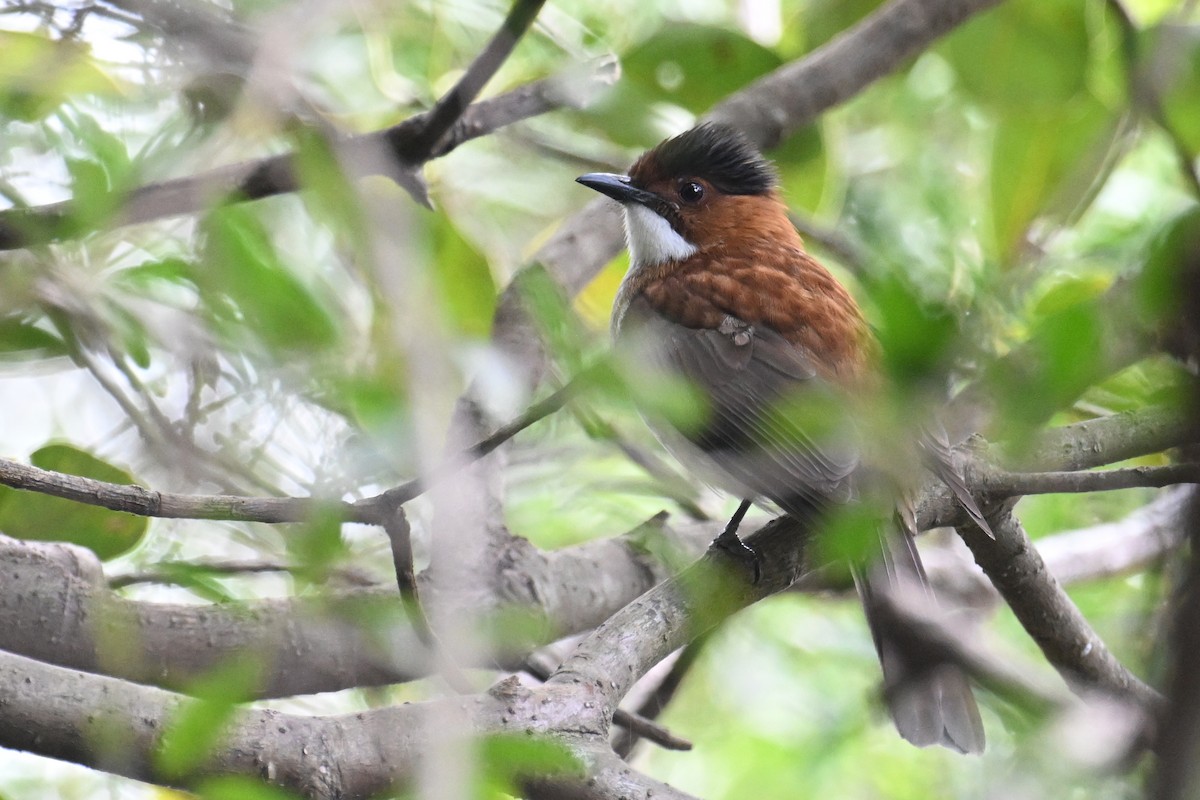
[(332, 195), (822, 20), (464, 279), (1065, 358), (1034, 155), (803, 167), (1032, 64), (916, 335), (199, 579), (1170, 63), (21, 338), (551, 311), (1066, 289), (1158, 381), (1025, 55), (197, 725), (32, 515), (1171, 265), (175, 271), (1174, 252), (316, 546), (374, 402), (38, 74), (240, 787), (684, 64), (243, 274), (695, 66), (506, 758), (93, 199)]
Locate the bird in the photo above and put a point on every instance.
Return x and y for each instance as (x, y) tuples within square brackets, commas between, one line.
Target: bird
[(721, 292)]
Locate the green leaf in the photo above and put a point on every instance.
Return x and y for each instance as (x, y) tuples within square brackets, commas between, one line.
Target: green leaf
[(375, 402), (695, 66), (1066, 289), (198, 725), (317, 545), (106, 148), (464, 281), (1026, 55), (38, 74), (1170, 63), (553, 315), (242, 274), (144, 276), (240, 787), (1174, 257), (685, 65), (91, 192), (32, 515), (508, 757), (1158, 381), (803, 167), (332, 196), (1065, 359), (22, 339), (196, 578), (915, 335), (1035, 156)]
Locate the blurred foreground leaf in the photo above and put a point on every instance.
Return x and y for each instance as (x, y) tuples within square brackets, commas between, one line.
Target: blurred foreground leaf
[(32, 515)]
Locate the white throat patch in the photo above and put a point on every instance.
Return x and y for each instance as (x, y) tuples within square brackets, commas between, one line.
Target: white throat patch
[(651, 238)]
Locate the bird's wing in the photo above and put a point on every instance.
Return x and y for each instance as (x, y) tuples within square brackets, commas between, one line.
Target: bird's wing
[(773, 425), (939, 459)]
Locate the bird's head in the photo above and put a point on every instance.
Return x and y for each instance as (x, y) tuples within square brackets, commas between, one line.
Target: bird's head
[(706, 188)]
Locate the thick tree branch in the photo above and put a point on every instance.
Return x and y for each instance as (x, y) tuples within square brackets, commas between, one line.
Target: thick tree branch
[(118, 727), (793, 96), (629, 643), (571, 590), (1079, 446), (568, 591), (1048, 615)]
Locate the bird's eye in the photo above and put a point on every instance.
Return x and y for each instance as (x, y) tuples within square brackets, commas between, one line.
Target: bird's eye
[(691, 192)]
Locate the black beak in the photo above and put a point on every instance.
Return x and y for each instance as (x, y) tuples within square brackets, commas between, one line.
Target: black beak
[(619, 188)]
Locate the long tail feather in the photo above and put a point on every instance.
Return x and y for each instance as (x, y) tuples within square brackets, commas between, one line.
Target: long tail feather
[(930, 702)]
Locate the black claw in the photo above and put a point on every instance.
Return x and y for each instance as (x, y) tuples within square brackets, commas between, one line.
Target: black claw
[(734, 547)]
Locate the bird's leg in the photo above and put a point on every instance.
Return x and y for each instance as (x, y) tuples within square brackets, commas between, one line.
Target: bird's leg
[(729, 542)]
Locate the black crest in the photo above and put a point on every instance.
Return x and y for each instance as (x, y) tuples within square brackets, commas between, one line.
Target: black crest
[(717, 153)]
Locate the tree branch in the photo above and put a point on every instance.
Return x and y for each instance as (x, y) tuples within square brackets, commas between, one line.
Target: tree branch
[(1048, 615), (443, 116), (63, 713), (793, 96), (1010, 484), (252, 180)]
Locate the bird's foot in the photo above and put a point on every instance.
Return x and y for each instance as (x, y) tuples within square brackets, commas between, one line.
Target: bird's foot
[(731, 544)]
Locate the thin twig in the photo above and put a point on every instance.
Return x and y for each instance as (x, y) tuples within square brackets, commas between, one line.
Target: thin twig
[(453, 104), (399, 534), (1011, 484), (175, 572), (253, 180), (401, 494), (661, 696), (634, 723)]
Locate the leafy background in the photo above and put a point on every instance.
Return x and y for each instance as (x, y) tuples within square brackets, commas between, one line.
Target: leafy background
[(996, 187)]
